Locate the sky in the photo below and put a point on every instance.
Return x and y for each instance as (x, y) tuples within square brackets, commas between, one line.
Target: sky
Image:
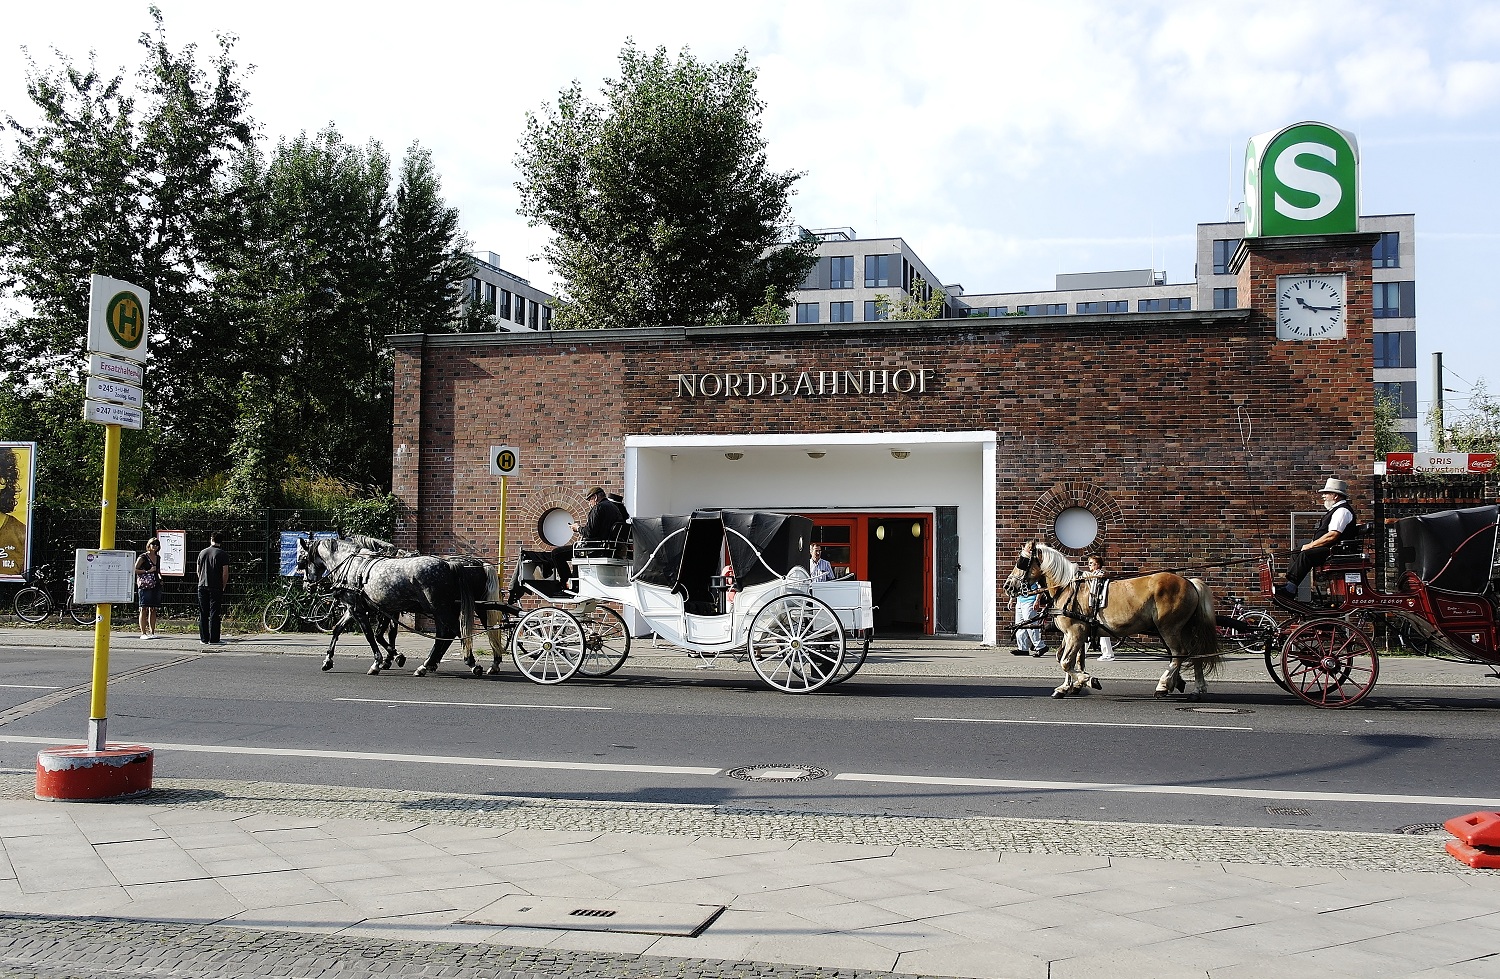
[(1007, 142)]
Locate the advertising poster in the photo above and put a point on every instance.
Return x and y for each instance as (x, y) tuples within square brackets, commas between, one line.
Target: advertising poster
[(173, 552), (289, 540), (17, 490)]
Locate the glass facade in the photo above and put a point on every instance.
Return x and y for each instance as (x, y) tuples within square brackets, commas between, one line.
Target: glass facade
[(1224, 249), (1227, 298), (1387, 251), (841, 272), (1396, 349), (877, 271), (841, 312)]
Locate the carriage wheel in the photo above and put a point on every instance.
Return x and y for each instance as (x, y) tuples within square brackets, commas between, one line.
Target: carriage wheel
[(796, 644), (278, 611), (606, 641), (1329, 663), (855, 650), (32, 604), (324, 613), (548, 645), (1260, 624)]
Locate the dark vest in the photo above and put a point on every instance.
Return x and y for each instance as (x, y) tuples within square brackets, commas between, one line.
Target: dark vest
[(1327, 520)]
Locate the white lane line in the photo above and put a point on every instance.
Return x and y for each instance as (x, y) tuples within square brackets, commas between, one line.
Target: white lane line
[(573, 766), (25, 686), (1177, 727), (1203, 790), (461, 703)]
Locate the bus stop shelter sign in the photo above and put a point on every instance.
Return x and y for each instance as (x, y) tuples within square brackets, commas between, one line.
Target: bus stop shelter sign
[(118, 312)]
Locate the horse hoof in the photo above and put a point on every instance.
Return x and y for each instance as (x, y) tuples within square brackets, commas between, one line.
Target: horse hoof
[(327, 665), (400, 660), (1059, 694), (492, 671), (373, 671), (477, 670), (1093, 682), (1160, 694), (420, 671)]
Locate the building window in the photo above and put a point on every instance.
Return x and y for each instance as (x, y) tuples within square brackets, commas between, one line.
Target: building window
[(1387, 251), (1055, 309), (1394, 299), (841, 272), (872, 311), (807, 312), (504, 311), (1396, 349), (1403, 393), (841, 312), (1179, 305), (1227, 298), (521, 310), (489, 296), (987, 311), (1029, 310), (1117, 306), (1224, 249), (1148, 306), (546, 318), (1083, 308), (536, 316), (877, 271)]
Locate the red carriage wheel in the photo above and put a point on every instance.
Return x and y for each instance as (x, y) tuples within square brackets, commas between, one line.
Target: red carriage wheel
[(1329, 663)]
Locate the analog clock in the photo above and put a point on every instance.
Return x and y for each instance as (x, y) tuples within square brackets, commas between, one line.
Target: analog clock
[(1310, 307)]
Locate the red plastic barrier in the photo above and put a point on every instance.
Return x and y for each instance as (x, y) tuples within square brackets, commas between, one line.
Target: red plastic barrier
[(1482, 858), (1476, 829)]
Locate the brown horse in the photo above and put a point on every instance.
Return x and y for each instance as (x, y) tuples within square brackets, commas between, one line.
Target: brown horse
[(1179, 610)]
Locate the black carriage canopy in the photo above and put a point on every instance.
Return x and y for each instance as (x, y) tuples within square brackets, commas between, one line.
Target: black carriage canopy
[(1453, 550), (684, 553)]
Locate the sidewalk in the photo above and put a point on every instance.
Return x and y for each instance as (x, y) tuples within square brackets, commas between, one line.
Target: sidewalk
[(219, 878)]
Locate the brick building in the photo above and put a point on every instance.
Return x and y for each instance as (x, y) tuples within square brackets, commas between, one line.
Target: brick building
[(925, 453)]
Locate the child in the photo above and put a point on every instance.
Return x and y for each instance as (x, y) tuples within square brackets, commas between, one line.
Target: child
[(1096, 577)]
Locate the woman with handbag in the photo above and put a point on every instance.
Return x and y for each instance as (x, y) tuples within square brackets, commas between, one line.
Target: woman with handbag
[(148, 587)]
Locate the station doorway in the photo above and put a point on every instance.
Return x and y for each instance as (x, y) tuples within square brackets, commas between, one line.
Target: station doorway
[(893, 551)]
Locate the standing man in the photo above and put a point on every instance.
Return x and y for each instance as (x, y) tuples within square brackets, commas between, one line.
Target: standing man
[(1330, 530), (819, 567), (213, 578)]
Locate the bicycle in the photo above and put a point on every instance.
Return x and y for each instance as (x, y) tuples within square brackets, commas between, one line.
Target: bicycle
[(1246, 628), (314, 606), (34, 603)]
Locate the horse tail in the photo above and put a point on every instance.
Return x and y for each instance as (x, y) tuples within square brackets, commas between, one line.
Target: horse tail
[(466, 599), (1200, 636)]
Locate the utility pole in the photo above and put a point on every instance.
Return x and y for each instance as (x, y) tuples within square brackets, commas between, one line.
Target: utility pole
[(1437, 401)]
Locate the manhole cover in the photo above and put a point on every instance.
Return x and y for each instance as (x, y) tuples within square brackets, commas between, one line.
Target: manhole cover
[(779, 773), (1287, 811), (1423, 829), (1216, 710), (596, 914)]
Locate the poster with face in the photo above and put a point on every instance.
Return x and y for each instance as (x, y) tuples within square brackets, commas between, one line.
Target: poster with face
[(17, 491)]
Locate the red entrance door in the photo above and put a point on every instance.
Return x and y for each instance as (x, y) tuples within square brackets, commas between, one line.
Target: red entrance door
[(892, 551)]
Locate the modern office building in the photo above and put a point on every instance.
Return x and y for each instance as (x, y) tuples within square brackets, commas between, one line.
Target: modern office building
[(852, 272), (516, 304)]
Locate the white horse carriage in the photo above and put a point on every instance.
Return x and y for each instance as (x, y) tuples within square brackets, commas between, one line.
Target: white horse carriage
[(799, 635)]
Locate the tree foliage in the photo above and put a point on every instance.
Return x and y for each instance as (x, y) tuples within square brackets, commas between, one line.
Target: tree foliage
[(920, 303), (1472, 429), (662, 206), (1388, 437), (288, 268)]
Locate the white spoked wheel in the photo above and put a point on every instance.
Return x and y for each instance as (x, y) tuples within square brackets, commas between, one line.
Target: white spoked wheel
[(796, 644), (548, 645), (606, 641)]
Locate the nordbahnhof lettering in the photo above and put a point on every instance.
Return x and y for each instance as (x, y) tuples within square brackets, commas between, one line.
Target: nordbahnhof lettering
[(868, 382)]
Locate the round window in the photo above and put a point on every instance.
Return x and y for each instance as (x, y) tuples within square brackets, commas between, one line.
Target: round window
[(555, 527), (1076, 528)]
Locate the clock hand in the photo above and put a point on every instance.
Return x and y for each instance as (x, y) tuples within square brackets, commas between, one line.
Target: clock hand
[(1315, 309)]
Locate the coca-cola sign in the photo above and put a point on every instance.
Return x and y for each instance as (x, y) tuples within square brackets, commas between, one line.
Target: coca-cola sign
[(1439, 462)]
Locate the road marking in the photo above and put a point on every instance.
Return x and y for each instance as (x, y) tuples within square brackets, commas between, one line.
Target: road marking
[(461, 703), (1204, 790), (24, 686), (1177, 727), (569, 766), (39, 704)]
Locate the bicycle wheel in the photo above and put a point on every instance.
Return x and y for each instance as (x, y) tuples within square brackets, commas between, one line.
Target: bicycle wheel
[(1261, 625), (83, 614), (278, 612), (324, 613), (32, 604)]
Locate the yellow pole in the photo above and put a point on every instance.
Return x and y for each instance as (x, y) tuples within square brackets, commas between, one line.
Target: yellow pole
[(97, 713), (500, 562)]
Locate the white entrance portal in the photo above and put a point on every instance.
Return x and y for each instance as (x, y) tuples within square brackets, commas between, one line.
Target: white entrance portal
[(832, 472)]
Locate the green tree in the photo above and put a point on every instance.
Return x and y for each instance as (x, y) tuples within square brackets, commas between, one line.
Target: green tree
[(1472, 429), (1388, 437), (252, 475), (921, 303), (773, 309), (429, 255), (662, 206)]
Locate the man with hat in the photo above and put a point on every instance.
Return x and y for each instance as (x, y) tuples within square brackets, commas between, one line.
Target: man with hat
[(600, 527), (1334, 525)]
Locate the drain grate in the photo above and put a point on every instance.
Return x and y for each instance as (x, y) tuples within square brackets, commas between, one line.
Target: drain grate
[(1287, 811), (1216, 710), (778, 773), (1423, 829), (593, 913)]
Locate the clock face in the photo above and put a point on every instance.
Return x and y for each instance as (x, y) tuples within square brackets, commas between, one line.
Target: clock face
[(1310, 307)]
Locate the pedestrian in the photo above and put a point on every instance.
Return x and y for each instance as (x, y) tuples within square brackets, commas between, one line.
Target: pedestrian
[(818, 566), (213, 579), (1098, 580), (148, 587), (1030, 606)]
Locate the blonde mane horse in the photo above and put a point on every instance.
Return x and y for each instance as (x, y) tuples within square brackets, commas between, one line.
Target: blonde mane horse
[(1179, 610)]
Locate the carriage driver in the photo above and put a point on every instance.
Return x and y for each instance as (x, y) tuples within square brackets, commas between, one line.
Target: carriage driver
[(599, 527), (1334, 525)]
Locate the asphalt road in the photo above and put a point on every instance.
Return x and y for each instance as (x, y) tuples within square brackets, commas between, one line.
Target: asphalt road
[(910, 746)]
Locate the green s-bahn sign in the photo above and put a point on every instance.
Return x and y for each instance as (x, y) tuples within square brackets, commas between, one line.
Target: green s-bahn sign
[(1302, 180)]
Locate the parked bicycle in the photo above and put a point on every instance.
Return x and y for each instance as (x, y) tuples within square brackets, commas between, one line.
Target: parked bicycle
[(35, 602), (299, 604), (1247, 628)]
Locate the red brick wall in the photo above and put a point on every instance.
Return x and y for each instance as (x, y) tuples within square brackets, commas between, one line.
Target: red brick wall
[(1201, 429)]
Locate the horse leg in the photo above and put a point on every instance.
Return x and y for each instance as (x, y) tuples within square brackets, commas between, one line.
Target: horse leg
[(1200, 685), (1171, 679), (333, 640)]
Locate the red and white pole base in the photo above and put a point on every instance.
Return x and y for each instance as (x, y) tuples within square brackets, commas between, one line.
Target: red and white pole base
[(96, 772)]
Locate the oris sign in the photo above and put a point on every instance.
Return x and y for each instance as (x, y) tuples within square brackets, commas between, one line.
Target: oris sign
[(1439, 462), (1302, 180)]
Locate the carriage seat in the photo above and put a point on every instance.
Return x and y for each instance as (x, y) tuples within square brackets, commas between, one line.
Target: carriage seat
[(1353, 540), (616, 551)]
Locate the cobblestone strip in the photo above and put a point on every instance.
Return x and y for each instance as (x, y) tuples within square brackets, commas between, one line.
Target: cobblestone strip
[(1240, 845), (38, 947)]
